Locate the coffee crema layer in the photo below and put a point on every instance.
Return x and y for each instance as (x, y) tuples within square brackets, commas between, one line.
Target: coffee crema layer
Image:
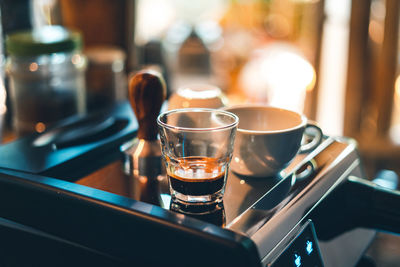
[(196, 176)]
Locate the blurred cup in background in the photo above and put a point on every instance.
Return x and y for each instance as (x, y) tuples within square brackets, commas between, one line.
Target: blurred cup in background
[(197, 96)]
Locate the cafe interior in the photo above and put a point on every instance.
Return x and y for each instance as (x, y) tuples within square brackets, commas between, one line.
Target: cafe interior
[(79, 180)]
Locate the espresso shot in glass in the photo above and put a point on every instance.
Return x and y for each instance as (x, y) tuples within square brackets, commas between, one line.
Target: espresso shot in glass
[(197, 146)]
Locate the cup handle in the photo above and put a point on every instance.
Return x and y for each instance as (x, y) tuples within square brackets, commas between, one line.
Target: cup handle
[(316, 138)]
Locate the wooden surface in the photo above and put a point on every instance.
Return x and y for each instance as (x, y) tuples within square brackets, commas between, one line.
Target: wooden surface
[(310, 105), (387, 67), (357, 69), (100, 21)]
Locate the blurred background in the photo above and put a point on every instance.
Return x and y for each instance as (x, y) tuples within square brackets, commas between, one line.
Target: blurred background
[(336, 61)]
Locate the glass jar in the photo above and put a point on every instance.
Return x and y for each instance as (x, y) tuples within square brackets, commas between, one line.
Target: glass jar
[(46, 70)]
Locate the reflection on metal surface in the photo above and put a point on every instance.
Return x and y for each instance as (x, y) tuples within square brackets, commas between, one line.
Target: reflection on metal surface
[(146, 189), (305, 171), (282, 190), (213, 213), (144, 170), (291, 190)]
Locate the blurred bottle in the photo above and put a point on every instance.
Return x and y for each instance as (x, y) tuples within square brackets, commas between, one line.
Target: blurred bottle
[(15, 15), (106, 80)]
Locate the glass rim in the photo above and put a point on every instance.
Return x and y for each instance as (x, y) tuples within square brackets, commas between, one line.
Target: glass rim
[(209, 110)]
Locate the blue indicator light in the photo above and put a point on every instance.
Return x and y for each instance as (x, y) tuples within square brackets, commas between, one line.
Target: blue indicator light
[(297, 260), (309, 247)]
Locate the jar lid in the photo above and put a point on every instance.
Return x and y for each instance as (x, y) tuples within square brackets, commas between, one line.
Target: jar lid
[(44, 40)]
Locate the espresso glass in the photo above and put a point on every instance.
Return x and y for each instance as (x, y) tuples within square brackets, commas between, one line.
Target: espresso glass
[(197, 146)]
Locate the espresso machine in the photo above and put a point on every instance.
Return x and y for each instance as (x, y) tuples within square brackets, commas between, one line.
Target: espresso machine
[(67, 198)]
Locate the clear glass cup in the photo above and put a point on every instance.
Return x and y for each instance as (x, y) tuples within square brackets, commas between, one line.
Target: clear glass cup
[(197, 146)]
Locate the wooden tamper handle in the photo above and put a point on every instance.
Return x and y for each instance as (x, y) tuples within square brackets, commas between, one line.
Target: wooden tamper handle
[(147, 92)]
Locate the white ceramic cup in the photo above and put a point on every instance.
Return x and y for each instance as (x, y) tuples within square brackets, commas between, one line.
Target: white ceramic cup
[(197, 96), (268, 139)]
